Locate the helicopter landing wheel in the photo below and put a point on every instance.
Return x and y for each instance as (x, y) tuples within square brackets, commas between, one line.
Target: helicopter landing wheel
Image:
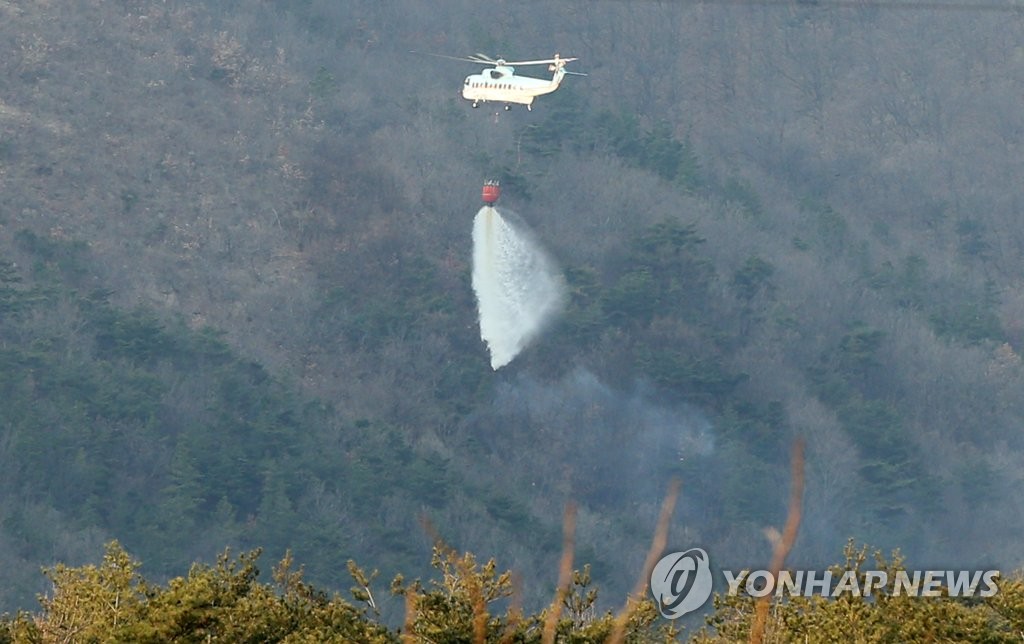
[(475, 104), (508, 107)]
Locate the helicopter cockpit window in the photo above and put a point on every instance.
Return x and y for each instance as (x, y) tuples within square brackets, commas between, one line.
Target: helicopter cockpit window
[(467, 80), (495, 73)]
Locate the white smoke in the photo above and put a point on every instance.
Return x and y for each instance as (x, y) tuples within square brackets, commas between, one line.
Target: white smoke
[(518, 287), (614, 448)]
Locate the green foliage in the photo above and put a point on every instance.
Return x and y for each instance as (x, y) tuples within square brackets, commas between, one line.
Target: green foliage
[(514, 180), (14, 298), (888, 464), (323, 84), (979, 482), (560, 128), (404, 305), (222, 602), (634, 297), (662, 297), (665, 156), (226, 602), (90, 602), (701, 379), (911, 284), (971, 322), (827, 225), (858, 349), (907, 282), (472, 602), (53, 253), (851, 380), (753, 278), (852, 369), (656, 149), (137, 337), (128, 201), (955, 312), (972, 244), (882, 616), (584, 317), (122, 420), (1008, 604), (457, 610), (666, 275), (463, 607), (740, 192)]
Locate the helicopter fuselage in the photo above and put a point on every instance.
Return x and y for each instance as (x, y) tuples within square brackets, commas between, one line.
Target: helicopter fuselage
[(500, 84)]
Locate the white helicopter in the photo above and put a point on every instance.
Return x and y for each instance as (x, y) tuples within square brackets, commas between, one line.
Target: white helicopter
[(500, 83)]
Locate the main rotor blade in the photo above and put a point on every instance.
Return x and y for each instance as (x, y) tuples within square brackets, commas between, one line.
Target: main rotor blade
[(467, 60), (483, 59), (540, 62)]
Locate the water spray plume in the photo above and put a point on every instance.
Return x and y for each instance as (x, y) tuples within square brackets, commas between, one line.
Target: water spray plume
[(518, 287)]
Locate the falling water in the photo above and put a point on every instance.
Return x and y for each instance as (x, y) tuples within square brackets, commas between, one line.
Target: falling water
[(518, 287)]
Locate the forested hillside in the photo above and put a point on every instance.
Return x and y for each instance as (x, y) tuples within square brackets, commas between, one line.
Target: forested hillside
[(235, 303)]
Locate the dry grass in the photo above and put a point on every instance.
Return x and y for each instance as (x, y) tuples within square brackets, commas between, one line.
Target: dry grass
[(668, 507), (784, 544), (410, 618), (564, 575)]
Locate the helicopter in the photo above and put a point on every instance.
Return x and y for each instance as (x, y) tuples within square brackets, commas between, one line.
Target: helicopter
[(501, 84)]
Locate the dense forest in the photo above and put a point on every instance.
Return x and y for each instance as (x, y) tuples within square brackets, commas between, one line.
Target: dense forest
[(235, 303)]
